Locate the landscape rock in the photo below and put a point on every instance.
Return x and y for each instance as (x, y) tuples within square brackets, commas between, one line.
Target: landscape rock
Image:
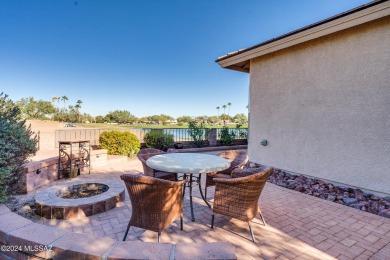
[(373, 197), (359, 195), (384, 213), (350, 201), (299, 188), (356, 206), (348, 196), (25, 209)]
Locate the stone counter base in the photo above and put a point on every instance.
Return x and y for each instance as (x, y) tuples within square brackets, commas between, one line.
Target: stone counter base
[(45, 171), (22, 234)]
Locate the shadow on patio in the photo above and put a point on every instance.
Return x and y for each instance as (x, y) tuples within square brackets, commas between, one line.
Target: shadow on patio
[(299, 226)]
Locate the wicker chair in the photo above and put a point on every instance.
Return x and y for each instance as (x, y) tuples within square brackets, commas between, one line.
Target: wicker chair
[(236, 158), (145, 154), (156, 203), (239, 197)]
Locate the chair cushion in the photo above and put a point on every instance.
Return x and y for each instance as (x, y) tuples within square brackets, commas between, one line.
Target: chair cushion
[(220, 175), (165, 175)]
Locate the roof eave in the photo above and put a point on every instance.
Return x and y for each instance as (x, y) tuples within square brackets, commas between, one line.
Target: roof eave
[(234, 61)]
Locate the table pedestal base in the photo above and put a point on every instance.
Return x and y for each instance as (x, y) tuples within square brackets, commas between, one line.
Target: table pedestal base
[(189, 184)]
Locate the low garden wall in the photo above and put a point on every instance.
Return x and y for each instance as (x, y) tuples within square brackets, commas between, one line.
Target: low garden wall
[(37, 174), (20, 238)]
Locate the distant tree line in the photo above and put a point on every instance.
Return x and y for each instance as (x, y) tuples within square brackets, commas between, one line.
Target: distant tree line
[(58, 110)]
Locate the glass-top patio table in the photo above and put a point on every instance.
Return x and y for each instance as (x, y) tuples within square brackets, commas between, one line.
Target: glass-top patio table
[(189, 164)]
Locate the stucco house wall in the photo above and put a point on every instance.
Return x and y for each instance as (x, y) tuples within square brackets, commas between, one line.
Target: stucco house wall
[(324, 107)]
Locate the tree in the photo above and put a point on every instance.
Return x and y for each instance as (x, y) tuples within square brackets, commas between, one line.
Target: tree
[(224, 107), (145, 120), (202, 119), (241, 119), (229, 104), (35, 109), (64, 99), (16, 144), (184, 119), (87, 118), (99, 119), (107, 119), (212, 120), (161, 119), (224, 117), (54, 100), (218, 110), (121, 117), (78, 106), (58, 104)]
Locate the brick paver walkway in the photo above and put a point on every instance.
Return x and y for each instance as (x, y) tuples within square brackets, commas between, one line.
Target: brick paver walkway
[(298, 226)]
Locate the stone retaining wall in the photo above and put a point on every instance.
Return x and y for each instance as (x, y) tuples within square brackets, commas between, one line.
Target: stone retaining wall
[(44, 241)]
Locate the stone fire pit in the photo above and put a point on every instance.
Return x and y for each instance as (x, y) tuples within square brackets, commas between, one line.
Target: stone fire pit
[(79, 199)]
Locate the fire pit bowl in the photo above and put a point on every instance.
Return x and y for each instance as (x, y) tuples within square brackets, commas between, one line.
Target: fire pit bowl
[(79, 199), (83, 190)]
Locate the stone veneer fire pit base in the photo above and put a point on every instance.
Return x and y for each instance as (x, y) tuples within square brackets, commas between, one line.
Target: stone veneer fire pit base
[(49, 205)]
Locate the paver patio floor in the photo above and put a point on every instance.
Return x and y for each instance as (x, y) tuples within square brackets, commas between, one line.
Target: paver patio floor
[(299, 226)]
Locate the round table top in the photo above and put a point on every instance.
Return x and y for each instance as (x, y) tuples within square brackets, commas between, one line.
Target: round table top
[(187, 163)]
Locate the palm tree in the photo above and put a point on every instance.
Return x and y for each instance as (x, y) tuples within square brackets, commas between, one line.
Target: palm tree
[(224, 107), (64, 99), (58, 104), (218, 111), (229, 104), (78, 106), (53, 100)]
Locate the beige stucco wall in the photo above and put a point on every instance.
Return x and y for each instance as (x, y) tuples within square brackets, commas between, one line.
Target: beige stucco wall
[(324, 107)]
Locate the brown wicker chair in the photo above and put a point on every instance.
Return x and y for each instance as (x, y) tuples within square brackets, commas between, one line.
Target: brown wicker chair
[(237, 159), (156, 203), (239, 197), (145, 154)]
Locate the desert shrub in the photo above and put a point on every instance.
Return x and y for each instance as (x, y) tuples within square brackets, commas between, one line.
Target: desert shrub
[(17, 143), (158, 139), (197, 133), (243, 135), (226, 136), (119, 143)]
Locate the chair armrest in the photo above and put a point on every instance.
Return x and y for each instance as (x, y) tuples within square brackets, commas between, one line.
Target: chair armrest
[(229, 181), (234, 181), (246, 172), (141, 178)]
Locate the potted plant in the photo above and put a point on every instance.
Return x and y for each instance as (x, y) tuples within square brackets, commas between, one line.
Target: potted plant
[(178, 145)]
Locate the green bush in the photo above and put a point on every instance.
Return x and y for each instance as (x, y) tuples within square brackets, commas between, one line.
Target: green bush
[(226, 136), (17, 143), (197, 133), (158, 139), (119, 143)]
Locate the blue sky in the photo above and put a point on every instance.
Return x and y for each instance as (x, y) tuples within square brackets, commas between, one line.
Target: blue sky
[(148, 57)]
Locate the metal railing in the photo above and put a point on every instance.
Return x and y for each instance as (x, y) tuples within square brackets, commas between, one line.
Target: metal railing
[(239, 133), (179, 134)]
